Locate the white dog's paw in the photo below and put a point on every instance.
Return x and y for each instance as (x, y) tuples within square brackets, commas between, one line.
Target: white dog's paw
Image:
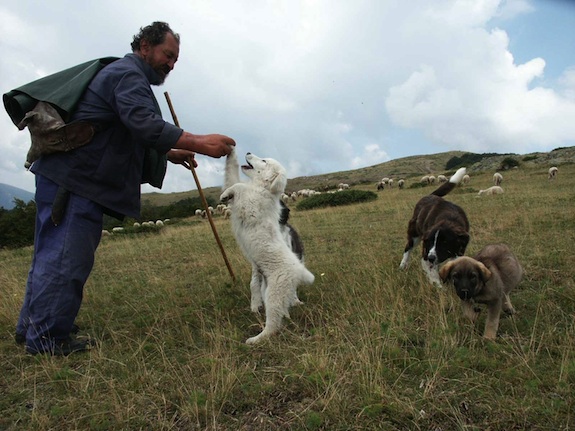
[(257, 308), (255, 340), (226, 197)]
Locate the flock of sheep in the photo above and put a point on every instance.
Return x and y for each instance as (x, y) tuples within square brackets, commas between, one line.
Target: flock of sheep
[(143, 225), (225, 211), (496, 189)]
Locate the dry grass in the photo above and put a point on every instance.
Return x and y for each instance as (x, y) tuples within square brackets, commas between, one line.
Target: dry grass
[(372, 348)]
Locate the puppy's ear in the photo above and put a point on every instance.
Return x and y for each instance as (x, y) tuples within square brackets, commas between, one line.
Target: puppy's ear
[(445, 271), (484, 272), (278, 184)]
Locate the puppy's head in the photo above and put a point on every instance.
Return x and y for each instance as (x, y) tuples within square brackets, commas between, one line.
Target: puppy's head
[(267, 173), (467, 275), (441, 244)]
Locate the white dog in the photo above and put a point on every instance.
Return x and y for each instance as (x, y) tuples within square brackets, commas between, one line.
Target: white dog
[(256, 213)]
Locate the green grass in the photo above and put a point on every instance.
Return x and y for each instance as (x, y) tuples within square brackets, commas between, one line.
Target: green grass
[(372, 348)]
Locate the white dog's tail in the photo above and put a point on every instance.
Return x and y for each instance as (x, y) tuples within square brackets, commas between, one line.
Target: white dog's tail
[(232, 170)]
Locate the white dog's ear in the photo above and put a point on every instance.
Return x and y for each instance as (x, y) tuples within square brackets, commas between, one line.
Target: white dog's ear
[(278, 183)]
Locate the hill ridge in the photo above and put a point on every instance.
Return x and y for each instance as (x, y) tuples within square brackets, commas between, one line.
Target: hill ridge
[(408, 167)]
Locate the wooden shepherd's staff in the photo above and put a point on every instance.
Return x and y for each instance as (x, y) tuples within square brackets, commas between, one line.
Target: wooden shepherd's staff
[(200, 191)]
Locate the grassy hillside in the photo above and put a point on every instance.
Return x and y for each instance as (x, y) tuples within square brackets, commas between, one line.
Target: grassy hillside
[(410, 168), (372, 348)]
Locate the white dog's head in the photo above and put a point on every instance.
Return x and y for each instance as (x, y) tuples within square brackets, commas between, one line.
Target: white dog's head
[(267, 173)]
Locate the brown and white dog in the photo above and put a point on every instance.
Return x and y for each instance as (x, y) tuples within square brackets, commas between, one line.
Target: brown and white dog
[(441, 226), (487, 278)]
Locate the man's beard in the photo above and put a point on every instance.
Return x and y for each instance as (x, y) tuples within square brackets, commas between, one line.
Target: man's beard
[(162, 72)]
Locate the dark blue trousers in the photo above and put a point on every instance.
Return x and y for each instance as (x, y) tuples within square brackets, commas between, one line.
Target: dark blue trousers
[(62, 261)]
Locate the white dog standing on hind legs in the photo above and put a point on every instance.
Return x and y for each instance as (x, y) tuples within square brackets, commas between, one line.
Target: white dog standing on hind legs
[(269, 245)]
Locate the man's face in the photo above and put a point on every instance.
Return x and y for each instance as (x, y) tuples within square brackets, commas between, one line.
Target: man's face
[(162, 57)]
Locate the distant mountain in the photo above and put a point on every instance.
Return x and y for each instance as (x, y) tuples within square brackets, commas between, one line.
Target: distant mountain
[(8, 193)]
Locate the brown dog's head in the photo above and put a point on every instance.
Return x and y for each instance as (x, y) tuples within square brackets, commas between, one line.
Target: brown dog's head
[(467, 275)]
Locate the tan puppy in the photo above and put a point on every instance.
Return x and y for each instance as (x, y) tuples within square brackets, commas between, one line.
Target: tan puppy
[(485, 279)]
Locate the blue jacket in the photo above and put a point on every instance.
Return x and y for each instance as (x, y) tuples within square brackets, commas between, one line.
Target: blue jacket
[(109, 170)]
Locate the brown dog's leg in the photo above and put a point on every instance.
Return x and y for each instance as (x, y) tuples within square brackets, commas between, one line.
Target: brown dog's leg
[(507, 306), (469, 311), (492, 322)]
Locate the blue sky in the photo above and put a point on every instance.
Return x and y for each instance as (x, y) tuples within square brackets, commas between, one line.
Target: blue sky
[(323, 85), (545, 32)]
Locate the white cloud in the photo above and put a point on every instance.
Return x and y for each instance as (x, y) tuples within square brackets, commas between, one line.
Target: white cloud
[(372, 155), (567, 82), (477, 98), (319, 85)]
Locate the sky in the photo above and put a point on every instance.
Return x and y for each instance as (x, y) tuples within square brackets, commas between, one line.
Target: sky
[(321, 85)]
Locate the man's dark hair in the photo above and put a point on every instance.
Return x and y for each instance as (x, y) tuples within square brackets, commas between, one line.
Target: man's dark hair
[(154, 33)]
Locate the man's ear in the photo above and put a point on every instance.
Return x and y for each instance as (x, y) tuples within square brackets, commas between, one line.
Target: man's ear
[(145, 47)]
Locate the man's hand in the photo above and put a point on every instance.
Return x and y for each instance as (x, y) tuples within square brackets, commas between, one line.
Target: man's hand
[(213, 145), (182, 157)]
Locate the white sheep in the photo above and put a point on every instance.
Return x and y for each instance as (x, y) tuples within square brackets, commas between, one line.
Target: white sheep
[(425, 180), (465, 180), (493, 190), (401, 183), (390, 183), (136, 225), (307, 192), (553, 172), (497, 178), (431, 179), (106, 233), (117, 229), (159, 223), (343, 186), (441, 179), (198, 212)]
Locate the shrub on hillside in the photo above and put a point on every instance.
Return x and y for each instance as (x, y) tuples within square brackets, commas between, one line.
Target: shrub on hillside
[(466, 160), (180, 209), (17, 225), (177, 210), (417, 185), (345, 197), (508, 163)]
